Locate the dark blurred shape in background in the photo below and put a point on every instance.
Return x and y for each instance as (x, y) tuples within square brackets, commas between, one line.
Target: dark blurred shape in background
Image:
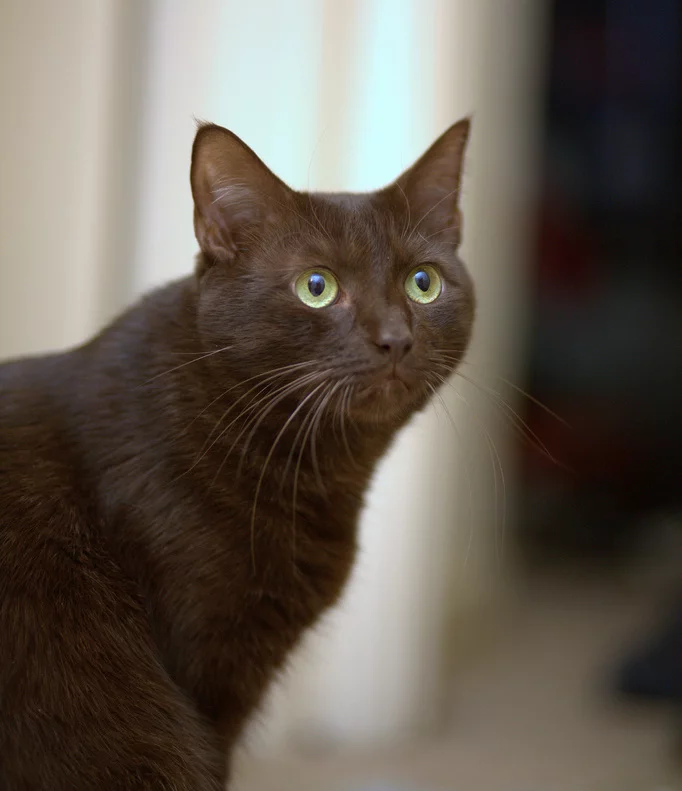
[(606, 343)]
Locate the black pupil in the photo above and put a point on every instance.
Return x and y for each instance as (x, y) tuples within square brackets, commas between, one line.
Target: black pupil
[(316, 285), (422, 280)]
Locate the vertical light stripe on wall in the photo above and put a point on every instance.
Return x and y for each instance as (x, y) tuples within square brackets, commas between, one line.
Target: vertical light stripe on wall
[(57, 76), (431, 535), (252, 67)]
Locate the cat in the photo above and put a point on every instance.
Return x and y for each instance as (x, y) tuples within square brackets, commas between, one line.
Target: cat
[(179, 496)]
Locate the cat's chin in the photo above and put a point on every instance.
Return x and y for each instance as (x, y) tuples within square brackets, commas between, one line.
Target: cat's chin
[(388, 399)]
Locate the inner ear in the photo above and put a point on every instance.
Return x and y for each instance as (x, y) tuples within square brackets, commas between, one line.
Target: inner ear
[(235, 193), (432, 186)]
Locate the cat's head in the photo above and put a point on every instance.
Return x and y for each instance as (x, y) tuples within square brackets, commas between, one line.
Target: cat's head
[(363, 293)]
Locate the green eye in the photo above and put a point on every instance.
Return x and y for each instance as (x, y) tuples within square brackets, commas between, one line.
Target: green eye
[(317, 288), (423, 284)]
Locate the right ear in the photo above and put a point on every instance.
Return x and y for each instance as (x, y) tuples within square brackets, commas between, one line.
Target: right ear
[(432, 185), (234, 192)]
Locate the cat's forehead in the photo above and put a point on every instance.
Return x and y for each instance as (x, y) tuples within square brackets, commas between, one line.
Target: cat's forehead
[(354, 231), (357, 232)]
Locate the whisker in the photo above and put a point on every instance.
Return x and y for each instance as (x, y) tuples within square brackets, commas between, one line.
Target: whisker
[(493, 450), (494, 459), (442, 230), (300, 431), (315, 430), (345, 412), (435, 206), (271, 400), (521, 391), (521, 425), (292, 449), (305, 425), (271, 374), (259, 388), (403, 234), (256, 421), (337, 425), (310, 200), (183, 365), (297, 471), (271, 198), (304, 422), (467, 473), (516, 421), (267, 461), (266, 379)]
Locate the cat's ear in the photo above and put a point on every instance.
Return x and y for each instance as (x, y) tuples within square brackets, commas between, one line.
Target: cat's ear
[(432, 186), (234, 192)]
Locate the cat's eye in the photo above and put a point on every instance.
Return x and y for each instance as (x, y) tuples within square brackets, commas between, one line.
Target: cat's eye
[(317, 288), (423, 284)]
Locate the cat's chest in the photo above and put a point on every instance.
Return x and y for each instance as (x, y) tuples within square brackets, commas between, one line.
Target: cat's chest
[(289, 570), (230, 598)]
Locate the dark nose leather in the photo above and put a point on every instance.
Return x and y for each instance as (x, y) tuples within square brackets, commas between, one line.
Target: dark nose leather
[(394, 341)]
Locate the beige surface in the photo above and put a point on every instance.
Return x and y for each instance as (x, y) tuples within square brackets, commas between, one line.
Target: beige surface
[(532, 714)]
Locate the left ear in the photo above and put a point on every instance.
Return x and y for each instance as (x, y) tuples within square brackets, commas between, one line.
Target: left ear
[(235, 194), (432, 186)]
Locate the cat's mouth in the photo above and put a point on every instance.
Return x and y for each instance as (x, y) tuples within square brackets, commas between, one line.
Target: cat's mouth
[(397, 378), (394, 385)]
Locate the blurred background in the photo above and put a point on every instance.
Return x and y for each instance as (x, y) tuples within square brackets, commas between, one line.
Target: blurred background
[(515, 620)]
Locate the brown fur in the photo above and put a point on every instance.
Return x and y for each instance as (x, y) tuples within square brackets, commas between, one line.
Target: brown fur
[(159, 558)]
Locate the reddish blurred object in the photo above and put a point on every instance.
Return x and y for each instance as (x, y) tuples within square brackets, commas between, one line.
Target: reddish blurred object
[(566, 256)]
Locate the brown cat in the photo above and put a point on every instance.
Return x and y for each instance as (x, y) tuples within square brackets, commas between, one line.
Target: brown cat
[(179, 497)]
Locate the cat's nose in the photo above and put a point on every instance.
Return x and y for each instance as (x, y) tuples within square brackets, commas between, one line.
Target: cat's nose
[(394, 342)]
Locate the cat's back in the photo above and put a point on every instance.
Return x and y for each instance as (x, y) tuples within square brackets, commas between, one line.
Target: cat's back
[(60, 413), (29, 415), (36, 460)]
